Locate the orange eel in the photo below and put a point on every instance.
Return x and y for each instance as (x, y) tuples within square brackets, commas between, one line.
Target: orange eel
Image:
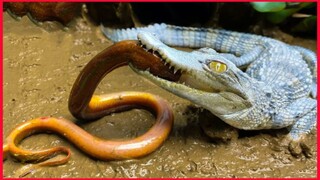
[(86, 106)]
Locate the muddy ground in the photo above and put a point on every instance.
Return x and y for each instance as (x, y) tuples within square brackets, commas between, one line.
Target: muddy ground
[(40, 66)]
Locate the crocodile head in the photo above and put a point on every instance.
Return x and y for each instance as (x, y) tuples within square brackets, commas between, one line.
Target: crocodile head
[(207, 78)]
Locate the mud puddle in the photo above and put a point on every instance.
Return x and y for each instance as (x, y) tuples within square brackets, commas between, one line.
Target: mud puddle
[(40, 66)]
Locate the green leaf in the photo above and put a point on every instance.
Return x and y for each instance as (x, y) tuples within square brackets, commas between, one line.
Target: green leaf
[(278, 17), (268, 6)]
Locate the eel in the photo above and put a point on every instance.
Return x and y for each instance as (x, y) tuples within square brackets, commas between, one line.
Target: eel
[(85, 106)]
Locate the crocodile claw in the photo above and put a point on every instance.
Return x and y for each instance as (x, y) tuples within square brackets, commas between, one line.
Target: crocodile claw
[(13, 15), (33, 20), (297, 146)]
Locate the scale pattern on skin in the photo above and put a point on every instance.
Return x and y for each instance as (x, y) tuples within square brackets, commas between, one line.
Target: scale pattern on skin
[(277, 89)]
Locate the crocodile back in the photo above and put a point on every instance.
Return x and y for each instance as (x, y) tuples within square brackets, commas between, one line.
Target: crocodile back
[(193, 37), (282, 68)]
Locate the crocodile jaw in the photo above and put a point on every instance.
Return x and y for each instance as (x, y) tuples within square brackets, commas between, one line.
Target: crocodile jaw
[(192, 74), (183, 61), (221, 104), (207, 91), (183, 90)]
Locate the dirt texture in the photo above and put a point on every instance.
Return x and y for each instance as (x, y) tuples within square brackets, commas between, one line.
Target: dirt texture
[(40, 66)]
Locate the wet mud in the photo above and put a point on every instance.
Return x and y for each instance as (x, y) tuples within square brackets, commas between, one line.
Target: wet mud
[(40, 66)]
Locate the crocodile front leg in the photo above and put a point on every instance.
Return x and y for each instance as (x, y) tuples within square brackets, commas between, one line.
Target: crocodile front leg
[(302, 114)]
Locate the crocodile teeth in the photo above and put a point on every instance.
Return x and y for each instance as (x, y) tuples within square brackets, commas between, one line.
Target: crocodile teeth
[(163, 55), (157, 52), (148, 47)]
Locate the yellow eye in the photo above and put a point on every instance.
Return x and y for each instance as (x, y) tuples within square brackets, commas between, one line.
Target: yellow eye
[(218, 67)]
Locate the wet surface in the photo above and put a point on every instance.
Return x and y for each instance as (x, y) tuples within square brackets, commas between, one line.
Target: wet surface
[(40, 66)]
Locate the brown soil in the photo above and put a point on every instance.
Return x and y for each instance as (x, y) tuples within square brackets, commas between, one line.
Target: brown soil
[(40, 66)]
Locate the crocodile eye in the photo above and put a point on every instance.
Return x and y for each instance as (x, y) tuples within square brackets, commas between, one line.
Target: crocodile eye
[(217, 67)]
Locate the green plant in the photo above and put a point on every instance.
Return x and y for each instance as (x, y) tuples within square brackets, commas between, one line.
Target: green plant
[(280, 12)]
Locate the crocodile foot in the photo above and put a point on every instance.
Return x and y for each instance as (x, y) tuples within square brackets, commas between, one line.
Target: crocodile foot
[(297, 146)]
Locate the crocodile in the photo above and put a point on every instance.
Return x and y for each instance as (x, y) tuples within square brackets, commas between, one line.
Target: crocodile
[(249, 81)]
